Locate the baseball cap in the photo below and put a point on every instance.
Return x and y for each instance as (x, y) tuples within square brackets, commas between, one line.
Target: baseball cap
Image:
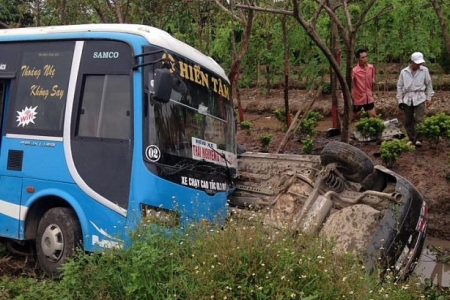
[(417, 58)]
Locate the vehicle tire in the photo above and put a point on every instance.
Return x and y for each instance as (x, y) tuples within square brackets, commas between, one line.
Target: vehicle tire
[(353, 163), (58, 235), (376, 181)]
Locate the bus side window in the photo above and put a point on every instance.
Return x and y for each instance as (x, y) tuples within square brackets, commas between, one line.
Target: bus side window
[(105, 107)]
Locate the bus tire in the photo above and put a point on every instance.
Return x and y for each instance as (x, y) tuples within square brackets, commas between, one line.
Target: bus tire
[(58, 235), (352, 162)]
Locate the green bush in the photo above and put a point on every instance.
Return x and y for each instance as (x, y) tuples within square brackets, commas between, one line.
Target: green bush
[(435, 128), (326, 90), (308, 124), (308, 145), (265, 140), (280, 115), (244, 260), (307, 130), (391, 150), (370, 127), (247, 125)]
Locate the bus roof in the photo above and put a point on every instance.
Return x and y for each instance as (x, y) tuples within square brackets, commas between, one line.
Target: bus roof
[(154, 35)]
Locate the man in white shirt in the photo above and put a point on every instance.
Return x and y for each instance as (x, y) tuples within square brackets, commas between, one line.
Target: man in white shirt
[(414, 89)]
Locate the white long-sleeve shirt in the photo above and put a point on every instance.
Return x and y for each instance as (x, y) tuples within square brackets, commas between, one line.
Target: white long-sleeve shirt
[(414, 88)]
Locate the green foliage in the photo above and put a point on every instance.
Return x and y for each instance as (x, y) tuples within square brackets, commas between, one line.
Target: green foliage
[(27, 288), (391, 150), (308, 124), (308, 145), (370, 127), (244, 260), (247, 125), (312, 115), (326, 90), (444, 61), (265, 140), (280, 115), (435, 128), (16, 13), (307, 130)]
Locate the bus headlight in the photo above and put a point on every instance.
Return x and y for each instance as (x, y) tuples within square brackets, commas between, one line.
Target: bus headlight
[(160, 216)]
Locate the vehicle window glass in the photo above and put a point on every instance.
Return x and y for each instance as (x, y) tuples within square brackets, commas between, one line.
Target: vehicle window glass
[(105, 107), (42, 83)]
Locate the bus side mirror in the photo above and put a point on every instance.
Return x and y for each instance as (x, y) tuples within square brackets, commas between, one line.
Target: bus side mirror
[(163, 85)]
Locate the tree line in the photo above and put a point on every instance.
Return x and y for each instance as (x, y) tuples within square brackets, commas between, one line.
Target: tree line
[(264, 42)]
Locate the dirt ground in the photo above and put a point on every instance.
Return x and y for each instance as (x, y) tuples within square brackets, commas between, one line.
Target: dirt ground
[(425, 167)]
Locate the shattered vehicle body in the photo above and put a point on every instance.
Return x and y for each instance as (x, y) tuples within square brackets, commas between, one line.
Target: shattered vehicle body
[(340, 195)]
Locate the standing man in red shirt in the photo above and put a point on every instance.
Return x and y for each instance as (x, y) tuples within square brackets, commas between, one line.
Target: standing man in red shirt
[(363, 79)]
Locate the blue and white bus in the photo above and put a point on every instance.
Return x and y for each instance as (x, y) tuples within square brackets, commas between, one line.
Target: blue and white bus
[(106, 125)]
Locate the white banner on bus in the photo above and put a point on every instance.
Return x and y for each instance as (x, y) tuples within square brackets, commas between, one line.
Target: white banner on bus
[(207, 151)]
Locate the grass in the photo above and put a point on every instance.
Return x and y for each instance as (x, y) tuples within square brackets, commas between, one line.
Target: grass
[(244, 260)]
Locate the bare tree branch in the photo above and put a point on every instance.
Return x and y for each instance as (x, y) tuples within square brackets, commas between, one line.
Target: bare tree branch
[(316, 14), (226, 10), (384, 11), (118, 11), (348, 17), (236, 64), (339, 24), (363, 15), (271, 10), (3, 25)]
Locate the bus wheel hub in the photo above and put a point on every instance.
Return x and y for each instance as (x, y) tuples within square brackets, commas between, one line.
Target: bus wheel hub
[(52, 242)]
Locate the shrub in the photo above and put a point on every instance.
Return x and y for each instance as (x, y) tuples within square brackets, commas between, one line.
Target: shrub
[(265, 139), (280, 115), (308, 145), (308, 130), (370, 127), (309, 123), (247, 125), (312, 115), (435, 128), (391, 150), (242, 260), (326, 88)]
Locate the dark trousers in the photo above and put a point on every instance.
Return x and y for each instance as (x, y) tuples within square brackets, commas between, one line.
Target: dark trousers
[(414, 115)]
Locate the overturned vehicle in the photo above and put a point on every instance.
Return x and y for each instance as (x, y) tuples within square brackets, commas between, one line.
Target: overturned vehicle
[(340, 195)]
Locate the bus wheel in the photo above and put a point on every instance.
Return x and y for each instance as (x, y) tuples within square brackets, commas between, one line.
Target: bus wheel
[(58, 235)]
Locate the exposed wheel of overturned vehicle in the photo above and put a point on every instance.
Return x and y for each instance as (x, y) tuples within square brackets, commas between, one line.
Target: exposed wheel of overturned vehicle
[(353, 163), (58, 235)]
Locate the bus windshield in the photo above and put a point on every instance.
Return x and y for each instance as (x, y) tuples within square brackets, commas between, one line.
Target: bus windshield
[(196, 123)]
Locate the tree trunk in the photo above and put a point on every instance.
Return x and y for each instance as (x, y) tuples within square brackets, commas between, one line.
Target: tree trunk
[(335, 45), (233, 75), (443, 23), (286, 72)]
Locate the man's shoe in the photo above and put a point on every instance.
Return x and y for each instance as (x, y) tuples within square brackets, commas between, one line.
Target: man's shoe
[(409, 143), (418, 144)]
